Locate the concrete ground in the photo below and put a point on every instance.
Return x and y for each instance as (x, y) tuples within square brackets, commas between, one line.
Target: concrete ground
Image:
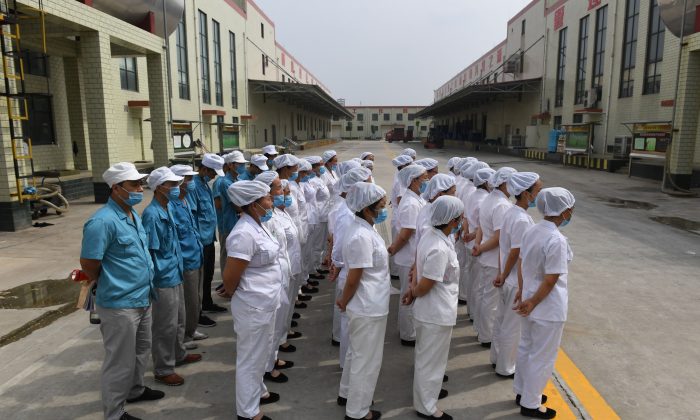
[(632, 328)]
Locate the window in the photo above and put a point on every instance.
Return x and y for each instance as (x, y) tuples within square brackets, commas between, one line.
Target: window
[(128, 74), (561, 69), (183, 76), (336, 118), (655, 51), (264, 63), (204, 56), (218, 85), (262, 30), (375, 117), (601, 29), (557, 122), (360, 117), (629, 49), (348, 127), (34, 63), (234, 76), (399, 117), (578, 118), (40, 130), (387, 117), (581, 61), (360, 128), (411, 117)]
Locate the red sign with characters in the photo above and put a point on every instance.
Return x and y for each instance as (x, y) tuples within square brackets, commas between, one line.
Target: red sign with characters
[(559, 18), (592, 4)]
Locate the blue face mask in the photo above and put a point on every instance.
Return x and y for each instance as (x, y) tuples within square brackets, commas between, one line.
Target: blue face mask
[(288, 201), (322, 170), (190, 186), (456, 229), (278, 200), (334, 167), (269, 163), (206, 179), (423, 187), (268, 214), (566, 221), (134, 198), (382, 216), (306, 178), (174, 194), (532, 204), (294, 176)]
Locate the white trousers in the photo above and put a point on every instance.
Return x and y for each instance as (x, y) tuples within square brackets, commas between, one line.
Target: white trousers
[(472, 301), (310, 249), (461, 251), (282, 324), (336, 311), (362, 362), (488, 303), (393, 268), (320, 244), (254, 330), (432, 349), (537, 352), (406, 328), (504, 346)]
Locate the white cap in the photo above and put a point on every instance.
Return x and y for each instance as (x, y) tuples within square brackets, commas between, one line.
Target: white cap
[(409, 173), (313, 160), (242, 193), (120, 172), (328, 155), (409, 152), (183, 170), (368, 164), (304, 165), (401, 160), (445, 209), (365, 155), (554, 201), (363, 194), (438, 184), (161, 175), (260, 161), (465, 163), (346, 166), (521, 181), (235, 157), (427, 163), (453, 162), (215, 162), (470, 170), (269, 149), (501, 176), (482, 175), (352, 177), (282, 161), (267, 177)]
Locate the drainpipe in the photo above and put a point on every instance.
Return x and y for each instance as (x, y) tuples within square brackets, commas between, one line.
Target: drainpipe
[(168, 72), (610, 81)]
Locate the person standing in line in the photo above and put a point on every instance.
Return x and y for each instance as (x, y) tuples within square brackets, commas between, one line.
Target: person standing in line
[(226, 212), (270, 152), (545, 256), (330, 177), (430, 165), (491, 220), (410, 153), (323, 202), (524, 186), (366, 300), (367, 156), (435, 306), (439, 185), (297, 188), (168, 328), (415, 179), (191, 248), (463, 256), (252, 277), (201, 201), (114, 254), (397, 191)]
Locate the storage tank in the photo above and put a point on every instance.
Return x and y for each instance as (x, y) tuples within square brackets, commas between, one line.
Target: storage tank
[(135, 11), (672, 14)]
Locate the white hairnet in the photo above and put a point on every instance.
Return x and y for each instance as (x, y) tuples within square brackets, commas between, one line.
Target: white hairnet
[(304, 165), (554, 201), (267, 177), (469, 172), (465, 165), (365, 155), (445, 209), (401, 160), (427, 163), (314, 160), (285, 183), (409, 152), (409, 173), (328, 155), (346, 166), (368, 164), (363, 194), (482, 175), (352, 177), (501, 176), (356, 159), (453, 162), (242, 193), (521, 181), (438, 184), (282, 161)]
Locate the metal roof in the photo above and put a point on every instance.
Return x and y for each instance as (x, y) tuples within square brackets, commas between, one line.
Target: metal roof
[(474, 94), (308, 96)]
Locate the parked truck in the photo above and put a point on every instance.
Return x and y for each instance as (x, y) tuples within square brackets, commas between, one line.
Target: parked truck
[(396, 134)]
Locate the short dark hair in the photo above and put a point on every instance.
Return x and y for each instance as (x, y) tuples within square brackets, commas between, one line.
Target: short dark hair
[(371, 207), (517, 196)]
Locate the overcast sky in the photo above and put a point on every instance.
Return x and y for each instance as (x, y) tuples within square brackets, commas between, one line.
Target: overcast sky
[(388, 52)]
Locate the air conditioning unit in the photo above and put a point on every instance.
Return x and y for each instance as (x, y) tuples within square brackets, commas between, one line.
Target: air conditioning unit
[(512, 65), (591, 97), (621, 147)]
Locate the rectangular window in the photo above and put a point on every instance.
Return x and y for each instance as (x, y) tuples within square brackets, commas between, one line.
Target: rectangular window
[(601, 29), (655, 51), (561, 69), (128, 74), (41, 128), (399, 117), (629, 49), (262, 30), (375, 117), (387, 117), (522, 27), (360, 117), (360, 128), (218, 84), (348, 127), (204, 56), (557, 122), (234, 76), (411, 117), (34, 63), (183, 76), (263, 64), (581, 61)]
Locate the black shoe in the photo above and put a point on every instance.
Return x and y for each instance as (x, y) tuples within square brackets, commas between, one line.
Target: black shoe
[(296, 316), (301, 305), (493, 365), (517, 399), (94, 318), (127, 416), (309, 289), (461, 302), (287, 365), (511, 376), (408, 343), (376, 415), (280, 379), (206, 322), (294, 324), (313, 283), (395, 277), (486, 345), (344, 401), (445, 378), (293, 335), (248, 418), (443, 394), (304, 298), (147, 395), (289, 349), (321, 271), (444, 416), (535, 413), (335, 343), (316, 276), (272, 398), (213, 308)]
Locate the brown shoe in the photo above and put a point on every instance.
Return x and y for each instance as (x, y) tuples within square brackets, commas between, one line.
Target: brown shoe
[(190, 358), (171, 380)]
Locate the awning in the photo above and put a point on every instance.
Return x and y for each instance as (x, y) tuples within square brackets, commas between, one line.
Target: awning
[(311, 97), (475, 94)]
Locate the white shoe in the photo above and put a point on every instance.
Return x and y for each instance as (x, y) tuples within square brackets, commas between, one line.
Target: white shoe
[(199, 336), (191, 345)]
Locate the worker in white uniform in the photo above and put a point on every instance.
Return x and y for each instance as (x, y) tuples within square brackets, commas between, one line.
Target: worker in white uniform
[(435, 306), (480, 180), (367, 156), (524, 186), (397, 191), (323, 204), (430, 165), (307, 216), (451, 163), (330, 177), (409, 152), (415, 179), (439, 185), (369, 164), (253, 277), (490, 220), (365, 299), (545, 256), (463, 256)]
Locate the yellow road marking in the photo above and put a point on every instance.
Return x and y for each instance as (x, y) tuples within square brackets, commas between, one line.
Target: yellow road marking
[(556, 402), (587, 395)]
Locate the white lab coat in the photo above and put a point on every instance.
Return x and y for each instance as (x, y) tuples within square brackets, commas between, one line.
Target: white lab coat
[(472, 214)]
